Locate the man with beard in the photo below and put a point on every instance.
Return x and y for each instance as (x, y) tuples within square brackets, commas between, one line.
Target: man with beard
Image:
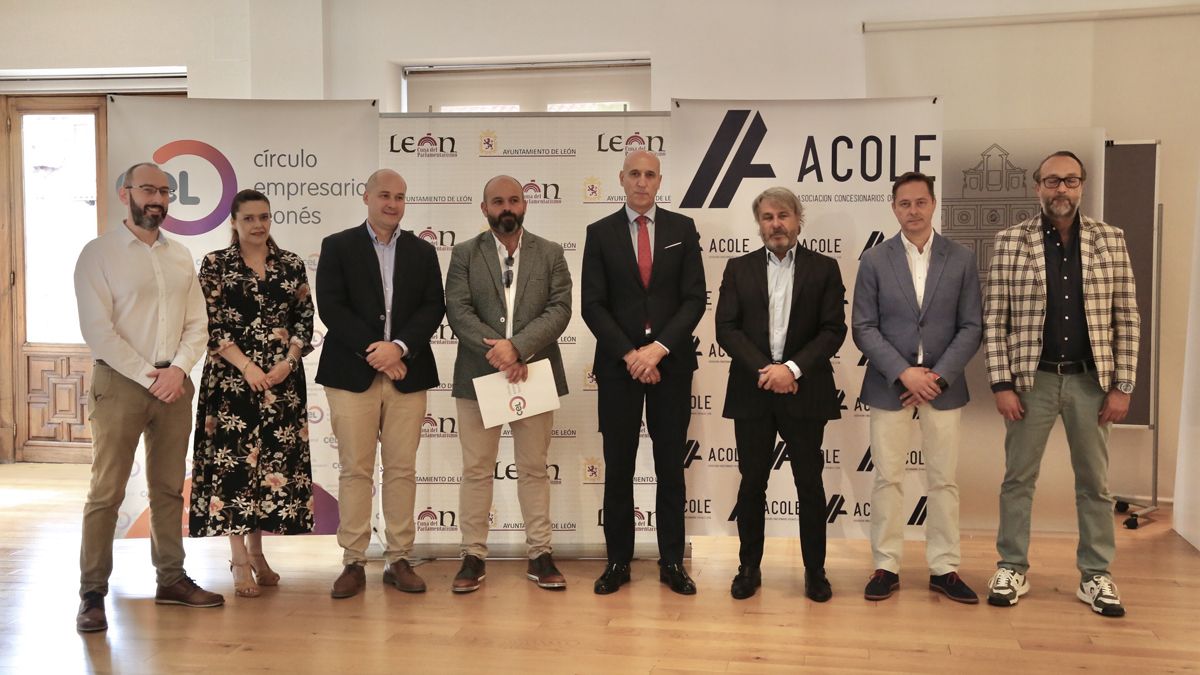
[(1061, 331), (379, 294), (781, 318), (142, 315), (508, 298)]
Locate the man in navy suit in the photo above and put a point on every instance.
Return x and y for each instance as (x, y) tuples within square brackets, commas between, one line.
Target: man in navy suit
[(918, 319), (379, 294), (781, 318), (643, 294)]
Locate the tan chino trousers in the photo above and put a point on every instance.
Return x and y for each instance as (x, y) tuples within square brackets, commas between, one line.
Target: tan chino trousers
[(120, 411), (384, 418)]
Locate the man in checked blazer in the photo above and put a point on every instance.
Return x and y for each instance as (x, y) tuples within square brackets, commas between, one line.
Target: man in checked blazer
[(508, 298), (1061, 332), (643, 294), (918, 319)]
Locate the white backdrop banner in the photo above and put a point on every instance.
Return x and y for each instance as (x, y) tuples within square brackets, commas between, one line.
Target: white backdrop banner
[(840, 158), (310, 158), (569, 166)]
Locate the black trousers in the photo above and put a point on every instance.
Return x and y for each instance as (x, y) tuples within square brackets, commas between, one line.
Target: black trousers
[(756, 443), (668, 413)]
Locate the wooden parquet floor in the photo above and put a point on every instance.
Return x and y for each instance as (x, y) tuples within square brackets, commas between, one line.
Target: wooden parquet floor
[(511, 626)]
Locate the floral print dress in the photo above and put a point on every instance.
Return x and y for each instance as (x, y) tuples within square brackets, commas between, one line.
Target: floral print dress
[(251, 466)]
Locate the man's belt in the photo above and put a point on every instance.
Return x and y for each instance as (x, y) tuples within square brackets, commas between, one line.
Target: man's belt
[(1067, 367)]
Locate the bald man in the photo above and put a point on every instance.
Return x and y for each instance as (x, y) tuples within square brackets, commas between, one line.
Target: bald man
[(643, 294), (379, 294), (508, 298)]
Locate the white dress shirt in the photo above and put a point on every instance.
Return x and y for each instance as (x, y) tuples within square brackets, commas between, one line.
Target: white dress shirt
[(918, 265), (781, 275), (633, 236), (386, 255), (510, 292), (140, 305)]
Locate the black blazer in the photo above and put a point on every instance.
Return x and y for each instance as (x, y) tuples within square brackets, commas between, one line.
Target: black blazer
[(616, 306), (816, 330), (350, 304)]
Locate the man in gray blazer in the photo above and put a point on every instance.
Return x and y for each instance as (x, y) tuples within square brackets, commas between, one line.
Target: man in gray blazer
[(508, 298), (918, 320)]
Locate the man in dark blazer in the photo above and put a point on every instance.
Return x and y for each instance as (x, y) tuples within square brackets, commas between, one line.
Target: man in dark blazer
[(780, 317), (643, 294), (379, 294), (508, 298), (918, 319)]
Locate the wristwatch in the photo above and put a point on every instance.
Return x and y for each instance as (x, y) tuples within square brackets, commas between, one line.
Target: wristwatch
[(1125, 387), (292, 361)]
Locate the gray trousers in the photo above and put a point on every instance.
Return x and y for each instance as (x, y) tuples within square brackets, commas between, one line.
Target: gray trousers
[(1077, 399)]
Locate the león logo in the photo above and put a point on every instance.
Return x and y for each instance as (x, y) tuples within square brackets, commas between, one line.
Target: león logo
[(741, 166)]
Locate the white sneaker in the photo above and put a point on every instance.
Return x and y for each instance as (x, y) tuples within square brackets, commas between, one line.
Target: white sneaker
[(1101, 593), (1006, 587)]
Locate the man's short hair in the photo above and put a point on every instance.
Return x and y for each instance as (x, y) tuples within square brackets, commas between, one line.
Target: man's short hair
[(782, 196), (913, 177), (129, 172), (1037, 174)]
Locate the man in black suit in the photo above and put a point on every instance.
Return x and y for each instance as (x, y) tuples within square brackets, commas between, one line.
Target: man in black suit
[(780, 316), (643, 294), (379, 293)]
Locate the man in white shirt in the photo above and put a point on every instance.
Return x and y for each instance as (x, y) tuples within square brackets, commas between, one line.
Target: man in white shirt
[(142, 315), (918, 319), (508, 298)]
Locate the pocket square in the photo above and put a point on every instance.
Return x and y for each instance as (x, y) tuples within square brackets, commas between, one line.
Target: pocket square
[(672, 245)]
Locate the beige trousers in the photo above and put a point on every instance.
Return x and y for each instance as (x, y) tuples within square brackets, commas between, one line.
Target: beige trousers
[(384, 418), (891, 432), (531, 445), (120, 411)]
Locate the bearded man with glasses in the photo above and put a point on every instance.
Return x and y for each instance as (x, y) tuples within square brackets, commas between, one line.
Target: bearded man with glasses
[(142, 315), (508, 299), (1061, 330)]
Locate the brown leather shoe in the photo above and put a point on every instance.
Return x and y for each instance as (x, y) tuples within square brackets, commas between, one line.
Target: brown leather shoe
[(91, 613), (470, 577), (350, 582), (185, 592), (401, 575), (543, 572)]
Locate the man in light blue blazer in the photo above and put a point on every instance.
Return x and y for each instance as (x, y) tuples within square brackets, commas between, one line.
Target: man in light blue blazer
[(508, 299), (918, 319)]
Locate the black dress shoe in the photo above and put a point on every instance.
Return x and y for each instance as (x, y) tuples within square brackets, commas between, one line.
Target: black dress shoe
[(816, 586), (746, 583), (615, 575), (675, 576)]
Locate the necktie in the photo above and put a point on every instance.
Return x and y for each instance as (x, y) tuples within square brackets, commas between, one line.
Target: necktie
[(644, 259)]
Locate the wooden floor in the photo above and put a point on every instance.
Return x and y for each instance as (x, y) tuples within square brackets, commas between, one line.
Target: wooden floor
[(512, 626)]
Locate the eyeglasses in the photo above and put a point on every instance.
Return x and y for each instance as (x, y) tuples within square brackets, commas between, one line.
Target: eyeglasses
[(508, 273), (1052, 182), (151, 190)]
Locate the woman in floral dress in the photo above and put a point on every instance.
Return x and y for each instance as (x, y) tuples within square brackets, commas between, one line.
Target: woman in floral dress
[(251, 469)]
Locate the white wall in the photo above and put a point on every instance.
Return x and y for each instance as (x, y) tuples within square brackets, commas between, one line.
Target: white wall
[(1135, 78)]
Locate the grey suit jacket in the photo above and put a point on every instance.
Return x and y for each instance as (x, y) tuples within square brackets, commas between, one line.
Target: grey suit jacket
[(475, 306), (887, 324)]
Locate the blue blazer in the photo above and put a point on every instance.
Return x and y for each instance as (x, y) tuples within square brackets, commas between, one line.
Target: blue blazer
[(887, 324)]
